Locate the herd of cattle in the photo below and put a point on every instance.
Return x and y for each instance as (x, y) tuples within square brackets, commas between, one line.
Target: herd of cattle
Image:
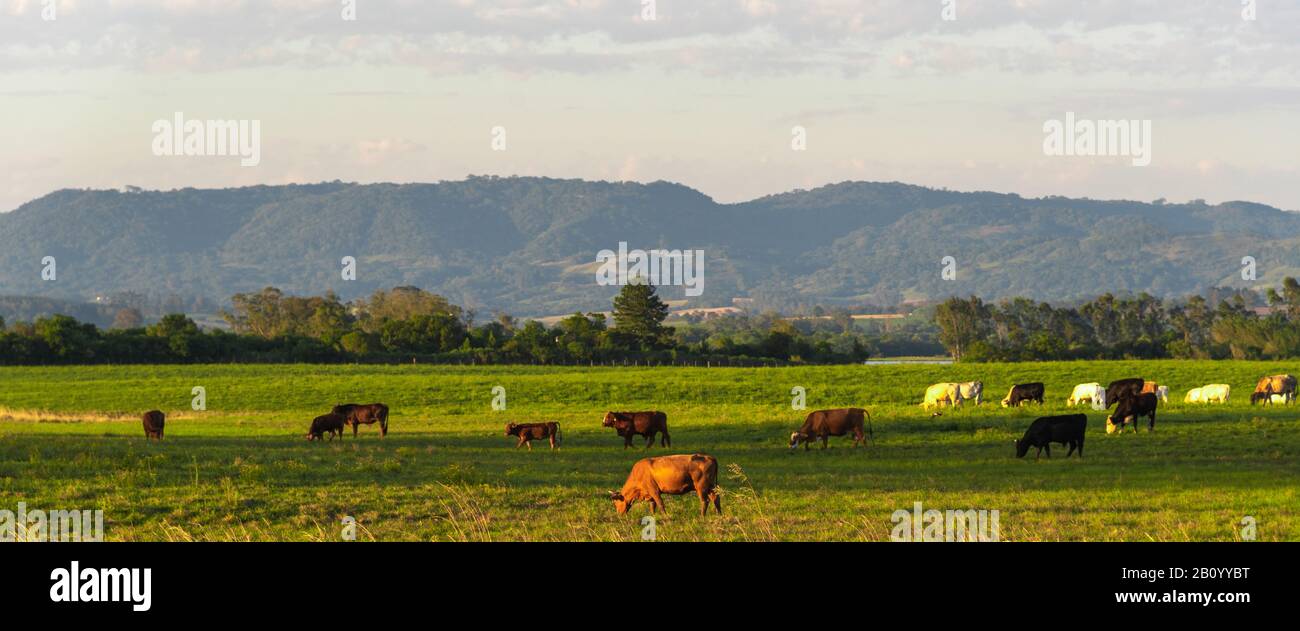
[(651, 478)]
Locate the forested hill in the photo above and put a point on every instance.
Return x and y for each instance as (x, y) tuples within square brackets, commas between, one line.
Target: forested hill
[(528, 245)]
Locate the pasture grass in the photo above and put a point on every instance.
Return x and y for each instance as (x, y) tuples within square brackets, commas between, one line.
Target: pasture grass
[(70, 438)]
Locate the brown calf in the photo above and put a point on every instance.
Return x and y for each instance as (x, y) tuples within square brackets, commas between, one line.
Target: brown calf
[(331, 424), (528, 432), (629, 424), (670, 475), (153, 424)]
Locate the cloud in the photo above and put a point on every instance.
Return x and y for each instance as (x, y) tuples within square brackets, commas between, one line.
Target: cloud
[(731, 37)]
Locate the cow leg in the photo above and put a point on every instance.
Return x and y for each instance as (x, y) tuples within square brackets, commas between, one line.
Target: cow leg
[(1067, 454), (354, 429), (649, 440), (627, 441), (1150, 427), (657, 500), (1048, 447), (704, 501), (665, 441), (717, 500), (552, 441), (1039, 454), (826, 441)]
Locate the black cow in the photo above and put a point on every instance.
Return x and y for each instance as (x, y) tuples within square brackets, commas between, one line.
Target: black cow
[(358, 415), (1133, 407), (1022, 392), (821, 424), (1121, 388), (153, 424), (528, 432), (1068, 429)]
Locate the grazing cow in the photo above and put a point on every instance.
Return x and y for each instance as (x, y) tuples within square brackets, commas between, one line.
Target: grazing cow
[(1068, 429), (1284, 385), (358, 415), (1162, 393), (629, 424), (332, 424), (670, 475), (528, 432), (153, 424), (1130, 408), (1209, 394), (972, 391), (1091, 392), (940, 393), (1022, 392), (1121, 387), (821, 424)]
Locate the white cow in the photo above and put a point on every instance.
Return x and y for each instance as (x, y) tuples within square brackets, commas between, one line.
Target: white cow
[(940, 393), (1209, 394), (972, 390), (1216, 392), (1162, 393), (1093, 393)]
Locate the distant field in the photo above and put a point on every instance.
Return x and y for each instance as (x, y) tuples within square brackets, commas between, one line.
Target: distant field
[(70, 438)]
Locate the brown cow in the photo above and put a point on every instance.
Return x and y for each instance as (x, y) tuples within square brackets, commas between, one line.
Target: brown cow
[(1149, 387), (358, 415), (1284, 385), (153, 424), (528, 432), (670, 475), (822, 424), (629, 424), (331, 424)]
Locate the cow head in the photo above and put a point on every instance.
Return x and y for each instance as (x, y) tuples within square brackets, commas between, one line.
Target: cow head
[(1022, 447), (311, 436), (620, 503), (510, 428), (796, 438), (610, 418)]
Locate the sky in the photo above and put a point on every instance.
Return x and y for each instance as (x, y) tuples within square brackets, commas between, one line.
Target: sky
[(709, 93)]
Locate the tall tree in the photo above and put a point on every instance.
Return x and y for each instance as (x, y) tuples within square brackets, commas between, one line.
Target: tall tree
[(962, 323), (639, 317)]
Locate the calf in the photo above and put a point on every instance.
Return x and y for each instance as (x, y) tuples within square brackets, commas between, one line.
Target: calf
[(1022, 392), (822, 424), (1122, 387), (670, 475), (1133, 407), (331, 424), (629, 424), (357, 415), (1068, 429), (528, 432), (153, 424)]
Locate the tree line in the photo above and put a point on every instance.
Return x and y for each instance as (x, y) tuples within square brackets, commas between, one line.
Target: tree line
[(408, 324), (1226, 324)]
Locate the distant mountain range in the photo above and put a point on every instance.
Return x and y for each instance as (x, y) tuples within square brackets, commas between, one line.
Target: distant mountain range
[(528, 246)]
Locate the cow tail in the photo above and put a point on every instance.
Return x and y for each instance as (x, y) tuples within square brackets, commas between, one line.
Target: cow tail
[(558, 438), (383, 418), (870, 435)]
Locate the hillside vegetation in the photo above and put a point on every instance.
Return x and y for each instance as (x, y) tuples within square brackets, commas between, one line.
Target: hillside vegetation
[(528, 245)]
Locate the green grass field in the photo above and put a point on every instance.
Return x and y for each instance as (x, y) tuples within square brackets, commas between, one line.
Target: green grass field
[(70, 438)]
